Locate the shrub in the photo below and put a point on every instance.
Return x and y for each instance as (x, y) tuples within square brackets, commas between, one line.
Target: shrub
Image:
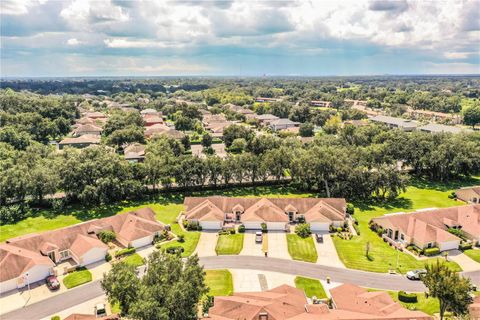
[(407, 297), (108, 257), (106, 236), (175, 250), (431, 252), (465, 246), (350, 208), (301, 219), (339, 229), (123, 252), (241, 228), (458, 232), (232, 231), (181, 238), (379, 231), (303, 230), (13, 213), (55, 318), (452, 195), (264, 227), (192, 225)]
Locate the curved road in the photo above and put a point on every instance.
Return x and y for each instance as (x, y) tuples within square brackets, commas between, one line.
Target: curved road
[(366, 279)]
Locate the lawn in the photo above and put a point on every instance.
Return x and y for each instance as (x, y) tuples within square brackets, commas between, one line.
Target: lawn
[(77, 278), (229, 244), (134, 259), (302, 249), (312, 287), (428, 305), (219, 282), (382, 257), (474, 254)]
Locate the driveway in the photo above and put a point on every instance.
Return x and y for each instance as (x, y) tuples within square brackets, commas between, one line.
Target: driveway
[(250, 247), (465, 262), (206, 244), (327, 254), (248, 280), (277, 245)]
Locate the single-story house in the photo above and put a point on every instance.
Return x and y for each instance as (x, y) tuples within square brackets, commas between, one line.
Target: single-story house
[(212, 213), (469, 195), (262, 99), (32, 257), (289, 303), (441, 128), (95, 115), (319, 103), (90, 129), (134, 152), (435, 116), (282, 124), (152, 119), (162, 129), (429, 228), (150, 111), (266, 118), (392, 122), (79, 142)]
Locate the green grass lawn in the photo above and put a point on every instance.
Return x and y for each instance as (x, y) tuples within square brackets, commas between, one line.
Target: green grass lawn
[(427, 305), (383, 257), (302, 249), (134, 259), (229, 244), (219, 282), (77, 278), (473, 254), (312, 287)]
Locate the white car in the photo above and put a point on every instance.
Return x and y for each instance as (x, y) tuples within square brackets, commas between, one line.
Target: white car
[(258, 236), (415, 274), (100, 310)]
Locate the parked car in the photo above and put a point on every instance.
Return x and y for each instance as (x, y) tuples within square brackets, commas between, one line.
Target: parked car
[(52, 283), (415, 274), (100, 310), (258, 236), (319, 237)]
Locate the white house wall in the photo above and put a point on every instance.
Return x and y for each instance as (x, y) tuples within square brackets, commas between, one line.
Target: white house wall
[(211, 225), (276, 225), (256, 225), (8, 285), (449, 245), (93, 255), (142, 242), (320, 226)]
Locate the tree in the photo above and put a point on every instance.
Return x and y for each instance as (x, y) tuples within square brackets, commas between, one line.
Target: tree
[(471, 116), (306, 130), (120, 120), (332, 125), (121, 285), (238, 145), (207, 140), (125, 136), (452, 290), (236, 131)]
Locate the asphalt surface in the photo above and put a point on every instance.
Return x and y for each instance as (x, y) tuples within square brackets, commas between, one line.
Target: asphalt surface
[(365, 279)]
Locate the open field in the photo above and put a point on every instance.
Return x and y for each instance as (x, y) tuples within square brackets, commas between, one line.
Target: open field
[(220, 282), (312, 287), (229, 244), (302, 249)]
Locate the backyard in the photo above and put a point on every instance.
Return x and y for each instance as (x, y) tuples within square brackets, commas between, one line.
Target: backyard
[(382, 257), (228, 244), (312, 287), (220, 282), (302, 249)]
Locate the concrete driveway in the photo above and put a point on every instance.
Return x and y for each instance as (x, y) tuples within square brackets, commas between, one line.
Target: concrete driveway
[(277, 245), (327, 254), (465, 262), (207, 243), (247, 280), (250, 247)]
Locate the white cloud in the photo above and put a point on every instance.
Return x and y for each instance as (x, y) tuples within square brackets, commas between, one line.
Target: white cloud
[(73, 42), (457, 55)]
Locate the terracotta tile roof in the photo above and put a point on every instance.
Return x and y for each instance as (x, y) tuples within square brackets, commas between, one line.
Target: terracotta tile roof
[(271, 209), (474, 308)]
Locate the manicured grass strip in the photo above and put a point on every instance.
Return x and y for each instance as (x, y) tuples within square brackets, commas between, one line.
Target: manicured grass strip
[(219, 282), (473, 254), (135, 260), (428, 305), (229, 244), (383, 257), (77, 278), (312, 287), (302, 249)]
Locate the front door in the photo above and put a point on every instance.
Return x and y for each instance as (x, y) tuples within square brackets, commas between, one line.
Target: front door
[(237, 216), (290, 216), (396, 235)]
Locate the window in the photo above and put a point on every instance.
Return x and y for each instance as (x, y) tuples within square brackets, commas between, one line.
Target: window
[(402, 236), (64, 254)]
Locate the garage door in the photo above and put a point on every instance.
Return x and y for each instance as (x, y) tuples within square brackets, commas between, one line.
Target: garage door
[(276, 225), (449, 245), (93, 255), (319, 226), (8, 285), (211, 225), (142, 242), (253, 225)]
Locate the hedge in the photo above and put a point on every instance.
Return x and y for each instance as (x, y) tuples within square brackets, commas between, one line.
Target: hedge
[(465, 246), (407, 297), (123, 252), (431, 251), (175, 249)]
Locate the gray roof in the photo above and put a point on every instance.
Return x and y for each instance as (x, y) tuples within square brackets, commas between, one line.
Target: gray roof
[(267, 116), (399, 122), (435, 127), (283, 121)]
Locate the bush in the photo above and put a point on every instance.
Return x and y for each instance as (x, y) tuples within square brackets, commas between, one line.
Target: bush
[(181, 238), (407, 297), (232, 231), (452, 195), (175, 250), (106, 236), (465, 246), (123, 252), (303, 230), (431, 252), (301, 219), (264, 227), (458, 232), (350, 208), (241, 228), (108, 257), (55, 318), (192, 225), (13, 213), (339, 229)]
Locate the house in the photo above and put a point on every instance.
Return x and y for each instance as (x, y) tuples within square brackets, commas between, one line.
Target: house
[(318, 103), (211, 119), (469, 195), (392, 122), (33, 257), (288, 303), (151, 112), (161, 129), (266, 118), (79, 142), (434, 115), (152, 119), (282, 124), (90, 129), (216, 128), (474, 309), (429, 228), (441, 128), (80, 316), (213, 213), (95, 115), (262, 99), (134, 152)]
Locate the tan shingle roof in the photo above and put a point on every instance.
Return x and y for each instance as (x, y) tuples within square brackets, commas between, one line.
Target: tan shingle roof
[(14, 261)]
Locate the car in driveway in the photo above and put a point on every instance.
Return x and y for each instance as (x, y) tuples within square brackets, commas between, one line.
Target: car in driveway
[(416, 274), (258, 237), (319, 237), (52, 283), (100, 310)]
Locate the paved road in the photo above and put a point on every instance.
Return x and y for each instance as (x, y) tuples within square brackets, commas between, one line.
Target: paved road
[(367, 279)]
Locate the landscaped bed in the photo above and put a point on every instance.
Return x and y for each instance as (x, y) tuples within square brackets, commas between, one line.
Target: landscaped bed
[(77, 278), (312, 287), (228, 244), (134, 259), (473, 254), (302, 249), (219, 282)]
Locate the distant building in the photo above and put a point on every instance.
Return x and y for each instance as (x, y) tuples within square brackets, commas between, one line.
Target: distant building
[(282, 124), (266, 118), (469, 195), (441, 128), (80, 142), (435, 116), (89, 129), (319, 103), (134, 152), (392, 122), (262, 99)]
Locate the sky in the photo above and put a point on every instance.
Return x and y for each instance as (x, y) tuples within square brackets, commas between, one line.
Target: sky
[(41, 38)]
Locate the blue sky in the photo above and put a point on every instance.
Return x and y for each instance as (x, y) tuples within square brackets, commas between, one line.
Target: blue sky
[(251, 38)]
